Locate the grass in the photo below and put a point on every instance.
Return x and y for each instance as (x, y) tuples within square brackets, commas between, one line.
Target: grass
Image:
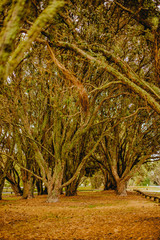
[(145, 188), (92, 206)]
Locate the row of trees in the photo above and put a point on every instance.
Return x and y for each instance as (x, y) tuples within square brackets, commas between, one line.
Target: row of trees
[(149, 174), (79, 87)]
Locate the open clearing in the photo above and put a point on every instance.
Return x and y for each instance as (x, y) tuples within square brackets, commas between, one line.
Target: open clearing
[(90, 215)]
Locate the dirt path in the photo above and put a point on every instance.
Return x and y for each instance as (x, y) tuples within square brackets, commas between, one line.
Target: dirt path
[(93, 215)]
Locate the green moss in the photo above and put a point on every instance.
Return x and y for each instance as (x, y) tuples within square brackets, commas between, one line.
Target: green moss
[(44, 18), (155, 22)]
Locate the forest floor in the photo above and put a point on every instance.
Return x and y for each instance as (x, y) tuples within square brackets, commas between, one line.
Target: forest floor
[(90, 215)]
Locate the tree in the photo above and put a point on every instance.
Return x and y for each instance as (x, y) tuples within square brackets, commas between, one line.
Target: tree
[(48, 133), (79, 26), (59, 77), (128, 145)]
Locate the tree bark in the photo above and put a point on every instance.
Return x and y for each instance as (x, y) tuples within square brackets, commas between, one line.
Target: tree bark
[(14, 184), (25, 188), (109, 184), (3, 172), (121, 188), (53, 194), (120, 183), (39, 185), (31, 187), (71, 190), (28, 185), (2, 180), (55, 184), (16, 188)]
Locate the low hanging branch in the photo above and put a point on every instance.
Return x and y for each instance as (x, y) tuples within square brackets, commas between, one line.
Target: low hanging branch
[(137, 86), (10, 58), (83, 96)]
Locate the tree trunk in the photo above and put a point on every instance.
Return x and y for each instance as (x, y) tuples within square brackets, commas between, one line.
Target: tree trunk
[(3, 172), (28, 186), (2, 180), (31, 187), (14, 185), (53, 194), (39, 185), (45, 190), (25, 188), (109, 183), (16, 189), (71, 190), (121, 188), (54, 188)]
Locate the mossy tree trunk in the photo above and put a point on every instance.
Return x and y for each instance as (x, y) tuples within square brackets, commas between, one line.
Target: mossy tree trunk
[(109, 183), (14, 185), (71, 190), (31, 187), (126, 150), (2, 180), (26, 183), (121, 182), (121, 188), (4, 168), (55, 183), (13, 178), (39, 185)]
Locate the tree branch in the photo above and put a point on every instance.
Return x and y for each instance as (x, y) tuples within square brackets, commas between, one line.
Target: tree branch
[(119, 76), (70, 77), (13, 159)]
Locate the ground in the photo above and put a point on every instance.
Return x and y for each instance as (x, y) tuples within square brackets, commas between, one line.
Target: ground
[(90, 215)]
